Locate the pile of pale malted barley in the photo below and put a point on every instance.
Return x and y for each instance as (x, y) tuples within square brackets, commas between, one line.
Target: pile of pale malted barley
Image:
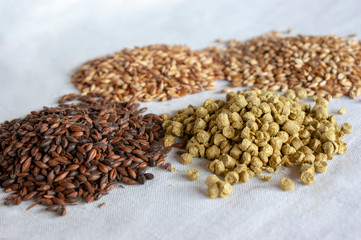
[(151, 73), (327, 66)]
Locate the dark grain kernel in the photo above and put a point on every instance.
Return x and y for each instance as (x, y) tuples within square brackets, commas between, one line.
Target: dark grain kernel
[(61, 211), (58, 201), (108, 162), (127, 163), (60, 177), (167, 166), (70, 200), (7, 183), (151, 163), (160, 162), (68, 185), (134, 165), (113, 174), (18, 200), (180, 152), (141, 179), (32, 206), (46, 201), (30, 195), (43, 188), (149, 176), (179, 145), (72, 167), (109, 187), (76, 128), (72, 195), (143, 165), (52, 208), (129, 181), (103, 168), (93, 177), (81, 178), (167, 149), (92, 154), (122, 171), (156, 156), (131, 173), (61, 195), (89, 199)]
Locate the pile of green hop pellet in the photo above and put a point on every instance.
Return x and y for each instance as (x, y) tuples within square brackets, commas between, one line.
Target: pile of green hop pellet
[(256, 131)]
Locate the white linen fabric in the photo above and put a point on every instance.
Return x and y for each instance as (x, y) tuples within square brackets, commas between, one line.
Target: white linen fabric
[(42, 42)]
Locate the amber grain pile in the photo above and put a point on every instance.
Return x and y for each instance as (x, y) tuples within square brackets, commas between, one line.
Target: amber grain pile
[(327, 66), (58, 156), (151, 73)]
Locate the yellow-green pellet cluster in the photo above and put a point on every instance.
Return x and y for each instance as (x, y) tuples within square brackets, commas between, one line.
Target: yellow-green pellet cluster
[(217, 187), (258, 130)]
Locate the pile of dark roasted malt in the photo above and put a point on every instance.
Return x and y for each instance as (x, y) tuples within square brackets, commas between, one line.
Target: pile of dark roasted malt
[(59, 156)]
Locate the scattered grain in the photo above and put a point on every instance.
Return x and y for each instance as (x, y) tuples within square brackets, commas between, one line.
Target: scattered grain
[(101, 205)]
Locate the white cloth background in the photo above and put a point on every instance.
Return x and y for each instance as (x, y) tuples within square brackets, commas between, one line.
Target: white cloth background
[(41, 42)]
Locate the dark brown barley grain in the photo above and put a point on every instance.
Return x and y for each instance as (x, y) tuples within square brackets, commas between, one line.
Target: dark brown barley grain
[(58, 156)]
